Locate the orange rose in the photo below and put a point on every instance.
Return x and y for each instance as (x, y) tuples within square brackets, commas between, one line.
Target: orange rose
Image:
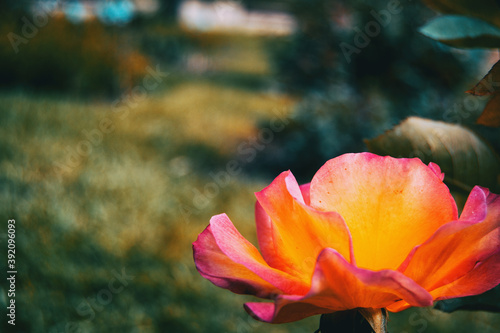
[(367, 232)]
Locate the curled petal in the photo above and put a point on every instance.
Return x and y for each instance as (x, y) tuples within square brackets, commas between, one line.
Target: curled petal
[(267, 312), (215, 266), (361, 287), (485, 276), (265, 236), (437, 170), (398, 306), (338, 285), (458, 246), (305, 190), (390, 205), (291, 234), (228, 260)]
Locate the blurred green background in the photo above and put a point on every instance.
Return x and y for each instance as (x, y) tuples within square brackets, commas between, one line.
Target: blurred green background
[(120, 119)]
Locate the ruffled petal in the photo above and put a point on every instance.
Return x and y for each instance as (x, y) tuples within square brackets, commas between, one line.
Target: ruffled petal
[(265, 237), (216, 267), (266, 312), (458, 246), (291, 234), (398, 306), (390, 205), (485, 276), (361, 287), (338, 285), (437, 170), (226, 258), (305, 190)]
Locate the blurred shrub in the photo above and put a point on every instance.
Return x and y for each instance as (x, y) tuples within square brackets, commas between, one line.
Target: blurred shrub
[(165, 43), (83, 59), (308, 60), (323, 125), (396, 56)]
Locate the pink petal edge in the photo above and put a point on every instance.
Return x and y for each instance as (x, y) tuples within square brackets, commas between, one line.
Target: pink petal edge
[(240, 251), (480, 219), (437, 170), (216, 267)]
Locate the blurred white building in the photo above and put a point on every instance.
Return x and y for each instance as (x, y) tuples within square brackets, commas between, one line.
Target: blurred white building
[(232, 16)]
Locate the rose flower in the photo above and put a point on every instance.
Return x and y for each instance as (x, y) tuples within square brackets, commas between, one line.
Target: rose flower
[(367, 232)]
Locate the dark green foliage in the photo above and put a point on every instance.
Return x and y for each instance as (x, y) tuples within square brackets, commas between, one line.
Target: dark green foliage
[(350, 97)]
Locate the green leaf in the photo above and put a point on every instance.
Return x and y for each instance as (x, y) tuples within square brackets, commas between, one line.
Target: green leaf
[(487, 10), (461, 31), (465, 159)]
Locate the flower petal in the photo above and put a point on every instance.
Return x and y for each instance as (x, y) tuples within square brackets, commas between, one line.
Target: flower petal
[(267, 312), (218, 268), (485, 276), (305, 190), (361, 287), (236, 253), (437, 170), (398, 306), (265, 237), (390, 205), (458, 246), (291, 234), (338, 285)]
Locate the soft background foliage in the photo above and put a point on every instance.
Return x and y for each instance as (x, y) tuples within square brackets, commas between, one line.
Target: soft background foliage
[(138, 198)]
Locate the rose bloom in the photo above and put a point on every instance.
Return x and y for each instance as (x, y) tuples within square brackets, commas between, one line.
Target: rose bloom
[(367, 232)]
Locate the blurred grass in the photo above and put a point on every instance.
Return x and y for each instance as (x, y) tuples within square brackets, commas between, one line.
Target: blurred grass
[(119, 208), (127, 204), (233, 52)]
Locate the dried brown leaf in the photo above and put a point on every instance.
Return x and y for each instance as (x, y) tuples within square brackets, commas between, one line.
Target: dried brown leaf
[(491, 113)]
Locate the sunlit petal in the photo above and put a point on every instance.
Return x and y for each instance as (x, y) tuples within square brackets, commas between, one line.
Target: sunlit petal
[(390, 205), (292, 234)]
